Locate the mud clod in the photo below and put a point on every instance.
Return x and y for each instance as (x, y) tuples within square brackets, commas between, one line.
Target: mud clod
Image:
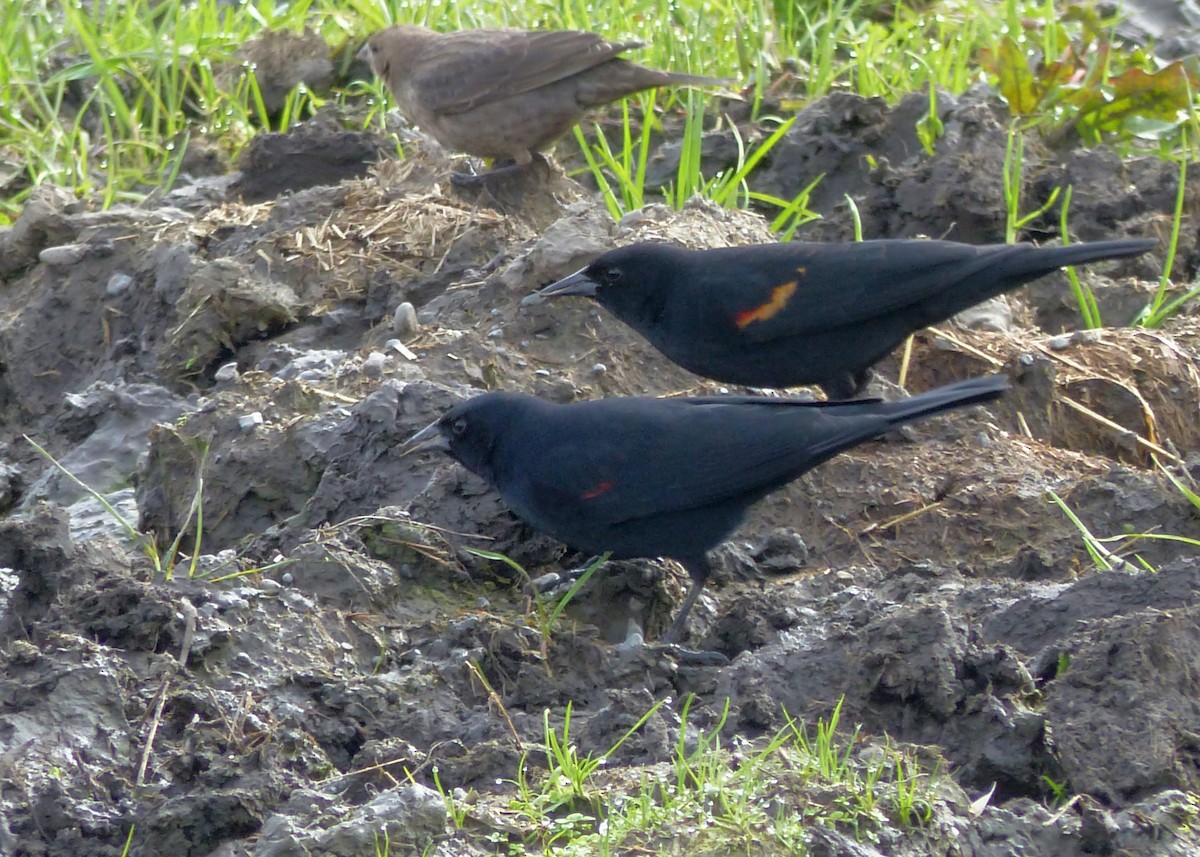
[(234, 373)]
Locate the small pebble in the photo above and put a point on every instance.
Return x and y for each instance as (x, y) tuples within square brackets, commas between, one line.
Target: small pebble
[(228, 372), (374, 364), (64, 255), (495, 333), (633, 218), (634, 640), (404, 321), (295, 601), (118, 283), (545, 373), (249, 422), (598, 369), (532, 299), (286, 578), (482, 603), (270, 586), (207, 610), (1060, 342)]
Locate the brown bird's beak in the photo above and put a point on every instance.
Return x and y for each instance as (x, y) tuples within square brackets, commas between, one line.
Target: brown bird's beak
[(578, 283), (430, 437)]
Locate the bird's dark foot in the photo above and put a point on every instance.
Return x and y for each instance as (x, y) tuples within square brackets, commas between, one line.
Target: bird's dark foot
[(556, 580), (497, 174), (847, 386), (634, 645)]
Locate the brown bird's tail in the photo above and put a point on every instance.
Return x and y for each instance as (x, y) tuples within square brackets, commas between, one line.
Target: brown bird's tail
[(682, 78), (621, 77)]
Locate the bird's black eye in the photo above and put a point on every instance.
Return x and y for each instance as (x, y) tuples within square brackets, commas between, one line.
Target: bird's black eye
[(459, 427), (612, 275)]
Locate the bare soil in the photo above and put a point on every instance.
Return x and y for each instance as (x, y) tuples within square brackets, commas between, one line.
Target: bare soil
[(245, 327)]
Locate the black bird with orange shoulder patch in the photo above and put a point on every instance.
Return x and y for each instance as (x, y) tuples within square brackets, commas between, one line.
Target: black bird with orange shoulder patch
[(779, 315), (646, 477)]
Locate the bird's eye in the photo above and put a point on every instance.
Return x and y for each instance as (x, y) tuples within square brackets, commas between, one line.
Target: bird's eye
[(459, 427), (613, 275)]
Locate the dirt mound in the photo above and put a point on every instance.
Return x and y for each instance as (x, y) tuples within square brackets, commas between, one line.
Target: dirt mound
[(341, 638)]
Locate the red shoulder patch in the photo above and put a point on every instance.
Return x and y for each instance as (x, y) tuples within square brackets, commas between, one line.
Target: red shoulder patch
[(780, 295), (596, 490)]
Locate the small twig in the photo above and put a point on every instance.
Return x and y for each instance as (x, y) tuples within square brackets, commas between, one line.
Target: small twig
[(1054, 819), (190, 616), (900, 519), (971, 349), (1117, 427), (473, 666), (154, 721)]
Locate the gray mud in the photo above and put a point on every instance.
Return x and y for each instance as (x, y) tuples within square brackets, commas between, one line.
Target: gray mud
[(294, 695)]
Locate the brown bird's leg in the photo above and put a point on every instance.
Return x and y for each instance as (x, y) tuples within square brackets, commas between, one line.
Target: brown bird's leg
[(477, 180), (699, 570)]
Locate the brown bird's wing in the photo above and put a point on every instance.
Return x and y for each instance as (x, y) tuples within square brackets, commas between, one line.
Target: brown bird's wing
[(462, 70)]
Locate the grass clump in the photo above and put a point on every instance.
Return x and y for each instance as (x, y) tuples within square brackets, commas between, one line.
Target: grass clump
[(1106, 558), (106, 98), (711, 796)]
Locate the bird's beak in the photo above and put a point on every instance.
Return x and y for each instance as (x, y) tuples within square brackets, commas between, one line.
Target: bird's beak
[(578, 283), (430, 437), (364, 53)]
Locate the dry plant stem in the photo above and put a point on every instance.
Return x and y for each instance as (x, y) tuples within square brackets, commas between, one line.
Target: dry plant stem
[(495, 700)]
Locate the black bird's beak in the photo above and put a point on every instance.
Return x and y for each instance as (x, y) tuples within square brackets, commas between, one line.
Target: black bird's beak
[(430, 437), (578, 283), (364, 53)]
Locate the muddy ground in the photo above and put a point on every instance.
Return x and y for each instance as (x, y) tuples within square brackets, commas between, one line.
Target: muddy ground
[(247, 327)]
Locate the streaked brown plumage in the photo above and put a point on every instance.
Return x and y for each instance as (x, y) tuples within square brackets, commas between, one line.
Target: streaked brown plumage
[(506, 94)]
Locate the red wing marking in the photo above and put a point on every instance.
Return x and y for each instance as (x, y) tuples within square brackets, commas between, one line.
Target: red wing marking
[(596, 491), (780, 295)]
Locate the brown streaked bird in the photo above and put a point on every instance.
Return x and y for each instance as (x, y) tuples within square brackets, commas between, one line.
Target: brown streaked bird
[(506, 94)]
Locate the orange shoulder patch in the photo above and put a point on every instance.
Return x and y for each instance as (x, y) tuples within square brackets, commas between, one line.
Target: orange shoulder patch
[(596, 490), (780, 295)]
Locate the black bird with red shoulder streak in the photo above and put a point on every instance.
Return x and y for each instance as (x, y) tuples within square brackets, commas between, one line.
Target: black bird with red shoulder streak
[(779, 315), (647, 477)]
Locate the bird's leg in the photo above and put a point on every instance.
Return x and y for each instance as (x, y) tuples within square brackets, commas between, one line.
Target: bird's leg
[(673, 633), (483, 179), (846, 385), (698, 569)]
